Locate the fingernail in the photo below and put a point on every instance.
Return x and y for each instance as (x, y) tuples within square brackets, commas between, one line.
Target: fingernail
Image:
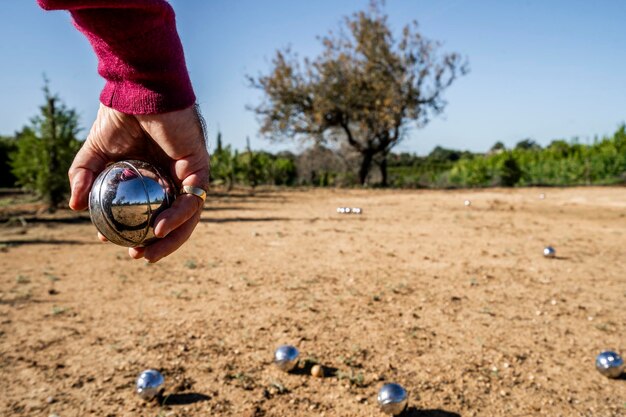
[(160, 231)]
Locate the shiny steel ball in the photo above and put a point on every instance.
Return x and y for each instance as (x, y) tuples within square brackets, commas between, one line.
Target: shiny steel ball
[(467, 203), (125, 200), (549, 252), (286, 357), (149, 384), (610, 364), (392, 399), (357, 210)]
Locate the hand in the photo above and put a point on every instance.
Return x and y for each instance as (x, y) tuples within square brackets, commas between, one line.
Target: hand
[(173, 141)]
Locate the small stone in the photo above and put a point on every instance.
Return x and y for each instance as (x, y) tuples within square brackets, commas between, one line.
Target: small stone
[(252, 412)]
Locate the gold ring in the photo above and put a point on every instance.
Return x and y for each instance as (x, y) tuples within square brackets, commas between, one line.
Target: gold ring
[(197, 191)]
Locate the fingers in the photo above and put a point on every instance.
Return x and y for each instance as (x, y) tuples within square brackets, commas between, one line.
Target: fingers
[(184, 208), (113, 136), (136, 253), (82, 173), (174, 240)]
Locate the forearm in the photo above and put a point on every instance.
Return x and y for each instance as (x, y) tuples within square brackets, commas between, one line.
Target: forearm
[(139, 52)]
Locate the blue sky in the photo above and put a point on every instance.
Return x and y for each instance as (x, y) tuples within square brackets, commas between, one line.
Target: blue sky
[(539, 69)]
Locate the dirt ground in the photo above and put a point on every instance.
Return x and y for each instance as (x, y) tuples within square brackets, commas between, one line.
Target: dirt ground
[(455, 303)]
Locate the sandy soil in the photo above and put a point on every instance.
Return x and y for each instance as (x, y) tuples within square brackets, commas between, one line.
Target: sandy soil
[(455, 303)]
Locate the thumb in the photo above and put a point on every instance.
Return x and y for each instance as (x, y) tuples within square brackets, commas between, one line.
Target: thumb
[(86, 166)]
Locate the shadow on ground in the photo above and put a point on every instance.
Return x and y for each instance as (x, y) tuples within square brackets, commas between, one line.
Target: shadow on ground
[(26, 220), (248, 197), (184, 398), (22, 242), (227, 208), (246, 219), (416, 412)]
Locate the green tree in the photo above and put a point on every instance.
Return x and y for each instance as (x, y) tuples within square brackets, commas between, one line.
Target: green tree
[(45, 149), (527, 144), (365, 88), (224, 166), (7, 147), (497, 147), (509, 172)]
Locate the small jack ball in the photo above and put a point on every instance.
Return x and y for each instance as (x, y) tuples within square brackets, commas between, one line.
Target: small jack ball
[(317, 371)]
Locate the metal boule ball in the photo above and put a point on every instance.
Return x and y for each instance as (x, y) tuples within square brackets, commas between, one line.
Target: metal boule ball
[(286, 357), (467, 203), (392, 399), (149, 384), (357, 210), (609, 364), (125, 200), (549, 252), (347, 210)]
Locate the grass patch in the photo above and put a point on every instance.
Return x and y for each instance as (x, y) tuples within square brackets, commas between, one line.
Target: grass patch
[(58, 310), (22, 279)]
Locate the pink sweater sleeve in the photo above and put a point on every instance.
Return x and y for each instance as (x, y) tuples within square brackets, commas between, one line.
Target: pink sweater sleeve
[(139, 52)]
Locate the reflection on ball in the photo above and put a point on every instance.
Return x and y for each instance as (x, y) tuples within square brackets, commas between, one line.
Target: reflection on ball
[(125, 200)]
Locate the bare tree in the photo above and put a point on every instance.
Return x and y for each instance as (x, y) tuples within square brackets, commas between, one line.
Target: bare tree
[(365, 88)]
